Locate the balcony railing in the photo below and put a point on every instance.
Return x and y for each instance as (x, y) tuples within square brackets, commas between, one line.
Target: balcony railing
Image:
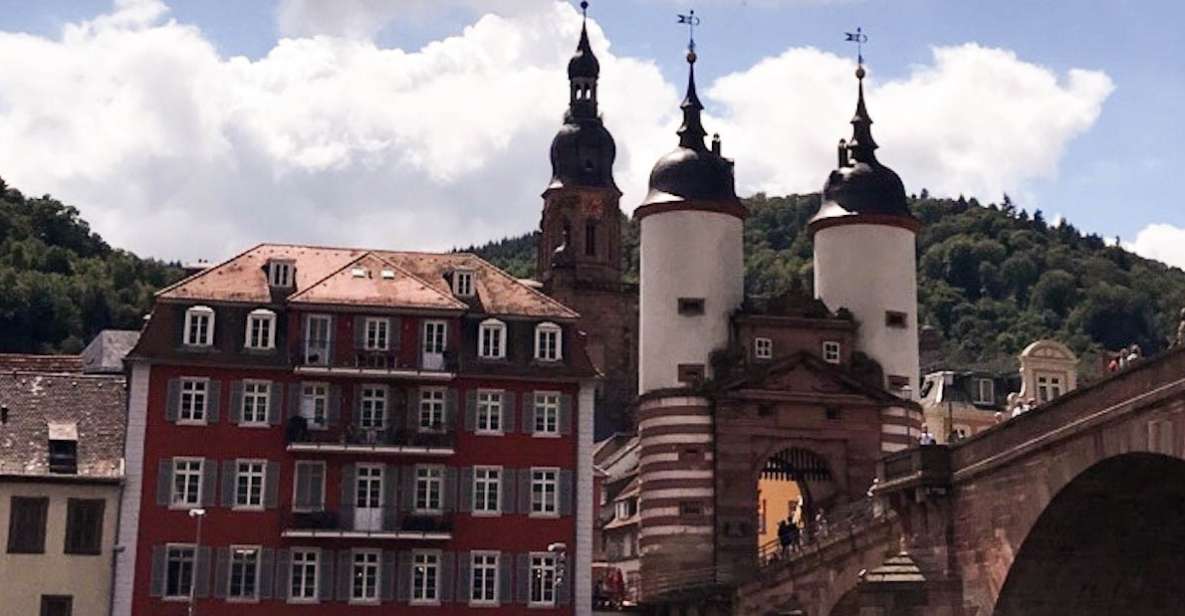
[(441, 440), (320, 354), (375, 522)]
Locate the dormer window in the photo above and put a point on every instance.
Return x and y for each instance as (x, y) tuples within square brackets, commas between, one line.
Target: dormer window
[(199, 326), (261, 329), (831, 351), (279, 274), (491, 339), (63, 448), (763, 348), (463, 283), (985, 392), (548, 342)]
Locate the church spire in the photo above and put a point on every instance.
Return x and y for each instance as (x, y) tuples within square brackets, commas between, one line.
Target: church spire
[(691, 133), (583, 71), (862, 145)]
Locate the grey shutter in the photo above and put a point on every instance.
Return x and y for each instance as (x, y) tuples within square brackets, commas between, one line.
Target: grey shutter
[(565, 420), (450, 407), (164, 481), (202, 585), (275, 405), (407, 488), (236, 402), (325, 579), (395, 333), (230, 470), (464, 576), (524, 490), (335, 405), (403, 577), (528, 412), (505, 573), (156, 584), (522, 577), (331, 359), (356, 407), (509, 411), (506, 494), (221, 571), (359, 333), (173, 400), (344, 574), (471, 410), (450, 489), (283, 580), (387, 577), (213, 400), (294, 395), (563, 590), (413, 409), (347, 500), (466, 495), (209, 482), (565, 492), (447, 576), (271, 485), (390, 497), (267, 573)]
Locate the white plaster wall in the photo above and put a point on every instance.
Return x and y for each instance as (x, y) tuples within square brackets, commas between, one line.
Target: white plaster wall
[(129, 507), (686, 254), (870, 269)]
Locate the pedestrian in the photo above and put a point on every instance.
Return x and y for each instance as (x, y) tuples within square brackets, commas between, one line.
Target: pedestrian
[(926, 438), (795, 535), (821, 523), (784, 535)]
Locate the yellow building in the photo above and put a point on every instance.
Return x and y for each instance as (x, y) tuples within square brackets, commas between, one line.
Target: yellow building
[(777, 500)]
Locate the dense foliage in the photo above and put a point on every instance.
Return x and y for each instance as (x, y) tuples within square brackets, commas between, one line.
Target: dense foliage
[(60, 284), (991, 278)]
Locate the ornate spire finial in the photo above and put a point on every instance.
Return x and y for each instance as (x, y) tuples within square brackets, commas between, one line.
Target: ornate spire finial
[(691, 133), (584, 9), (862, 146)]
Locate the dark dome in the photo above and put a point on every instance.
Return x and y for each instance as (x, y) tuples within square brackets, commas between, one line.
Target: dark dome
[(864, 188), (582, 154), (691, 175)]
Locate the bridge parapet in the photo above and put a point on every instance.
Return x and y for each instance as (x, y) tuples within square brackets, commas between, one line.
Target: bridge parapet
[(926, 468)]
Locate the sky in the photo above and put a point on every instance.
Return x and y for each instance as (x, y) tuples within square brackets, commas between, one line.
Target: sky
[(185, 129)]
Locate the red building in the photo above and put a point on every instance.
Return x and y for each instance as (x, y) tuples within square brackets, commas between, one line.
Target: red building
[(360, 428)]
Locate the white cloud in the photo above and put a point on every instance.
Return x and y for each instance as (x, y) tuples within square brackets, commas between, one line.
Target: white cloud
[(172, 150), (1162, 242), (365, 18)]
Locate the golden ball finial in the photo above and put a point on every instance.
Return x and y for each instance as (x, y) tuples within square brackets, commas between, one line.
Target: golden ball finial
[(691, 57), (860, 72)]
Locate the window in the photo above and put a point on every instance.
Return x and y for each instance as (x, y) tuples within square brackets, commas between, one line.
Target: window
[(543, 572), (84, 526), (373, 415), (590, 238), (434, 336), (365, 574), (249, 484), (244, 573), (483, 582), (831, 351), (279, 274), (429, 489), (894, 318), (691, 508), (763, 348), (463, 283), (690, 373), (432, 409), (486, 486), (178, 571), (1048, 387), (187, 482), (544, 491), (63, 456), (489, 412), (309, 486), (368, 486), (898, 382), (256, 400), (625, 509), (548, 342), (317, 339), (314, 404), (376, 336), (547, 412), (193, 401), (199, 326), (691, 306), (57, 605), (303, 584), (425, 578), (491, 339), (26, 525), (985, 391), (261, 329)]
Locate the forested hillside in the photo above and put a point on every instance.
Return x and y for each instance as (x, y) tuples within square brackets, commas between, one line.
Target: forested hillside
[(991, 278), (60, 284)]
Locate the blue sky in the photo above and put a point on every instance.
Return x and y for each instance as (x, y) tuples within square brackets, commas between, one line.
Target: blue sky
[(1109, 177)]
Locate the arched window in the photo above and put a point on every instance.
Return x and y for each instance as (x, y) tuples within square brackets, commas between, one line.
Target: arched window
[(261, 329), (199, 326), (549, 342), (590, 238), (491, 339)]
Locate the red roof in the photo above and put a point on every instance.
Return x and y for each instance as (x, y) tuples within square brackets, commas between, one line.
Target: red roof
[(15, 362)]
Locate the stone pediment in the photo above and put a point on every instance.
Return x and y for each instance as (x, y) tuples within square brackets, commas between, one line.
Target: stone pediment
[(805, 374), (1048, 349)]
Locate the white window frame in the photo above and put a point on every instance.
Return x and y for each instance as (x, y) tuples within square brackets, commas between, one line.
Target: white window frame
[(548, 478), (367, 559), (371, 476), (193, 387), (266, 319), (196, 339), (376, 334), (252, 477), (491, 572), (464, 283), (419, 592), (431, 339), (489, 412), (373, 407), (326, 345), (763, 348), (296, 485), (544, 568), (482, 480), (491, 339), (432, 405), (308, 403), (547, 413), (832, 351), (549, 350), (980, 384), (280, 274), (432, 477), (304, 562), (257, 397), (169, 547), (230, 573), (174, 502)]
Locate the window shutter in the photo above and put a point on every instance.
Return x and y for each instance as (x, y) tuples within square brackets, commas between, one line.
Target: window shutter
[(565, 413), (283, 580), (524, 490), (394, 329), (335, 405), (325, 566), (294, 394), (403, 577), (450, 407), (267, 573), (221, 571), (173, 400), (466, 495), (390, 497), (164, 481), (565, 492), (275, 406), (387, 574), (344, 574), (509, 411), (202, 586), (505, 578), (156, 585), (356, 407), (347, 500), (210, 482), (236, 402), (359, 333), (506, 497), (563, 590), (522, 577), (271, 486), (332, 342), (407, 486), (213, 400), (447, 576), (471, 410), (413, 408), (529, 413), (450, 489), (464, 576), (229, 482)]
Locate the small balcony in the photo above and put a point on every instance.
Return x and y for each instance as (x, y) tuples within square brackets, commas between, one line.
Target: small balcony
[(350, 439), (369, 523), (319, 357)]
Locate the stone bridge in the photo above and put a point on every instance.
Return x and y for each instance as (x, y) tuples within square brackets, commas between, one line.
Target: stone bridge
[(1074, 508)]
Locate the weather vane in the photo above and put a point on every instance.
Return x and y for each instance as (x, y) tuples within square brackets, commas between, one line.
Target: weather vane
[(692, 21), (859, 38)]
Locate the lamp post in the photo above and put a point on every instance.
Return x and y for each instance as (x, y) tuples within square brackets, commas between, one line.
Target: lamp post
[(199, 514), (561, 561)]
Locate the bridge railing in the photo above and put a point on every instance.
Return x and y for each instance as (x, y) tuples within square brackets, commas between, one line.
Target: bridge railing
[(683, 580), (841, 522)]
